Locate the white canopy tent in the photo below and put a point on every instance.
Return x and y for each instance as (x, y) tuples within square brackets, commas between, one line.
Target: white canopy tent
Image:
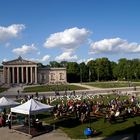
[(31, 107), (6, 102)]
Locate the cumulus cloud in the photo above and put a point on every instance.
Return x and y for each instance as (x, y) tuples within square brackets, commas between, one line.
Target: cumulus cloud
[(38, 60), (4, 60), (45, 58), (10, 32), (114, 45), (68, 39), (66, 56), (25, 49), (84, 60)]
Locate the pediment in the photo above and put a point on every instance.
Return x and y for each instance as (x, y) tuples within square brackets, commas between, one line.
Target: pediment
[(19, 61)]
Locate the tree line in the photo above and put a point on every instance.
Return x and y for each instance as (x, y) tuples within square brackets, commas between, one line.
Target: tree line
[(100, 69)]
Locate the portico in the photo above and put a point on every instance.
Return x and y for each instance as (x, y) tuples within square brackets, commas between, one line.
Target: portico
[(20, 71)]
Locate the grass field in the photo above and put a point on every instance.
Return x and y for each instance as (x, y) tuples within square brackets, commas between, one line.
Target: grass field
[(46, 88), (112, 84), (2, 89), (75, 130)]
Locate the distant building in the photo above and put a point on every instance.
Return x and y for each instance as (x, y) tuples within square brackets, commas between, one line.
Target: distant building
[(28, 72), (1, 76)]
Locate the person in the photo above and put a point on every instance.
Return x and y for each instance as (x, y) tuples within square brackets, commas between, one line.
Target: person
[(88, 132), (9, 120), (18, 93), (1, 121)]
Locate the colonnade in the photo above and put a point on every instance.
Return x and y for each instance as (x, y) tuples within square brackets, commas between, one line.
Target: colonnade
[(20, 74)]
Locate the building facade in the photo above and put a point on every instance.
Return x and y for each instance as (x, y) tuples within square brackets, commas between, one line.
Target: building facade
[(27, 72)]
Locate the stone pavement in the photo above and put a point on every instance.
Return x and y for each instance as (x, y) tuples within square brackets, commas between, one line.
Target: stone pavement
[(6, 134)]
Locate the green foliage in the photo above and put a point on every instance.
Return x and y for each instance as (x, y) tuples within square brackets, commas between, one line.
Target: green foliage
[(100, 69), (2, 89), (73, 72)]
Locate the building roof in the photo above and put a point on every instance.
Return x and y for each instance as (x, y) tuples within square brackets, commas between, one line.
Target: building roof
[(19, 61), (55, 69)]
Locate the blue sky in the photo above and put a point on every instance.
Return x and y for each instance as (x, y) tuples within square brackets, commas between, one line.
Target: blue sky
[(70, 30)]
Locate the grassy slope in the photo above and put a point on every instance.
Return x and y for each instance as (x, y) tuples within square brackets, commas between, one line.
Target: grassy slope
[(46, 88)]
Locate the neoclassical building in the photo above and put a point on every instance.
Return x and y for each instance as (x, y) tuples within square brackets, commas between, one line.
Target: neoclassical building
[(19, 71)]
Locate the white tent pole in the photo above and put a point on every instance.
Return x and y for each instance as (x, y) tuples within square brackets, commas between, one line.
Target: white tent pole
[(29, 124), (11, 120)]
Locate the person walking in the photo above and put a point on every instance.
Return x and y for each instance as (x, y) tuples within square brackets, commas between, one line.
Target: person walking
[(9, 120)]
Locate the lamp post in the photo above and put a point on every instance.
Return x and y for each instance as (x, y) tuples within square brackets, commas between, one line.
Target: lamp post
[(89, 75), (80, 75), (98, 74), (128, 75)]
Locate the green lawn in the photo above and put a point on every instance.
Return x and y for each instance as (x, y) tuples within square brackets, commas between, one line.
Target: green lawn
[(46, 88), (2, 89), (75, 130), (112, 84)]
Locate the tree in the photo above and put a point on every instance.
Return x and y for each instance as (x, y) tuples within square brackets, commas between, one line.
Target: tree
[(122, 69), (54, 64), (73, 72), (114, 70), (92, 70), (103, 69), (84, 72)]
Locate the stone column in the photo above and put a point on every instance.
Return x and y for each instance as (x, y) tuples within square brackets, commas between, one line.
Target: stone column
[(17, 75), (4, 74), (26, 75), (13, 75), (31, 74), (35, 75), (22, 75), (8, 75)]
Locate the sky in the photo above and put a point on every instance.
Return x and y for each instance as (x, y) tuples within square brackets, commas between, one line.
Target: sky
[(69, 30)]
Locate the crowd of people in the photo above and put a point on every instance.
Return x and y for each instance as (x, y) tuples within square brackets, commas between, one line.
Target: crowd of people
[(83, 106)]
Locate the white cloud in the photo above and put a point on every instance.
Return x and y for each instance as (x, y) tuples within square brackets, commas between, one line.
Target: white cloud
[(66, 56), (10, 32), (68, 39), (45, 58), (4, 60), (84, 60), (114, 45), (25, 49)]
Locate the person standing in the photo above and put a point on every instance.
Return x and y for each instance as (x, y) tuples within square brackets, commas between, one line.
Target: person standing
[(9, 120)]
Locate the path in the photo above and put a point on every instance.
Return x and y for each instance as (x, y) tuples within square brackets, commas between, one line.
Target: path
[(85, 86)]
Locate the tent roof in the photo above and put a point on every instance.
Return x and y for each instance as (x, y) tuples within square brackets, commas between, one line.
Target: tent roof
[(31, 107), (6, 102)]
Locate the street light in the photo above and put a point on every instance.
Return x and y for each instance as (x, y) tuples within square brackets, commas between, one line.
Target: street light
[(98, 74), (80, 75), (89, 75)]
